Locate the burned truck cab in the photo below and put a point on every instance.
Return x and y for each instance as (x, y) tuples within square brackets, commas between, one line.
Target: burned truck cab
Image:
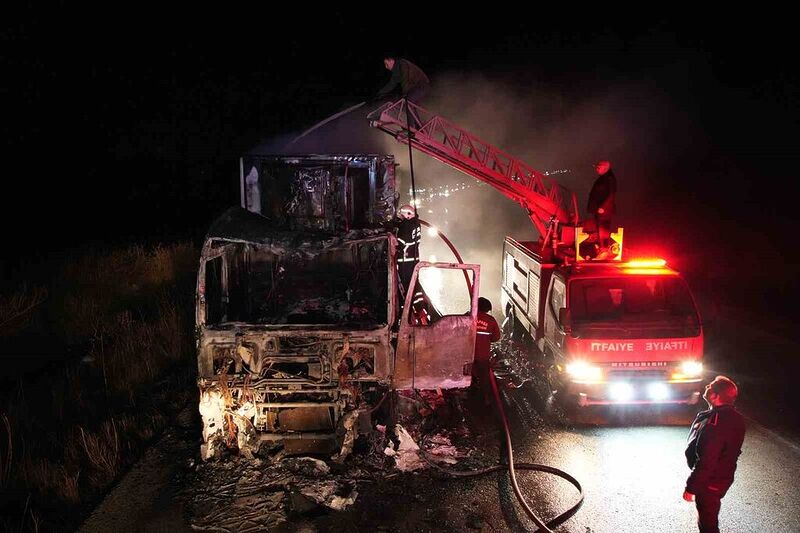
[(297, 307)]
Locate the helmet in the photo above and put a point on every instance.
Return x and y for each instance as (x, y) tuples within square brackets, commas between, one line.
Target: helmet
[(407, 212), (602, 166)]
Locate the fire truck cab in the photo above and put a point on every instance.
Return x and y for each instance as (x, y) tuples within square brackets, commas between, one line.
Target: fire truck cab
[(610, 332)]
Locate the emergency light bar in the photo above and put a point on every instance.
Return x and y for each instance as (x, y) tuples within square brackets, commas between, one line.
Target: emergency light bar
[(645, 263)]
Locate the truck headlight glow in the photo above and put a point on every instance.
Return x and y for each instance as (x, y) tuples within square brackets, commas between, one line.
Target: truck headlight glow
[(621, 392), (583, 371), (692, 369), (658, 391)]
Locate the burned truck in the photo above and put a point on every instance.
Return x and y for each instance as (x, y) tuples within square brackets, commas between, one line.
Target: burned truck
[(302, 328)]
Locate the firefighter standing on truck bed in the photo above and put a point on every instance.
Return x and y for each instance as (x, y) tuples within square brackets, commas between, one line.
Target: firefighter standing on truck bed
[(602, 201)]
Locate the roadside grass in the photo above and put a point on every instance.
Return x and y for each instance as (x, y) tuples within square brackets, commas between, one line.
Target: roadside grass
[(120, 363)]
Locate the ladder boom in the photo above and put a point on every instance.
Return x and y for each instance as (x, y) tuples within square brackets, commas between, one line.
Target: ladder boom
[(544, 200)]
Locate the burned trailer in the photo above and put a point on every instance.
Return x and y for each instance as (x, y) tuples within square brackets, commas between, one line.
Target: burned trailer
[(298, 317)]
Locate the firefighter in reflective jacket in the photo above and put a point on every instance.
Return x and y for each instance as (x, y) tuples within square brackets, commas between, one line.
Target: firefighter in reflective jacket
[(408, 236), (488, 332), (714, 444)]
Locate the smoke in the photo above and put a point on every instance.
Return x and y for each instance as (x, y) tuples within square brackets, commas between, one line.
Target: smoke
[(633, 124), (659, 154), (348, 134)]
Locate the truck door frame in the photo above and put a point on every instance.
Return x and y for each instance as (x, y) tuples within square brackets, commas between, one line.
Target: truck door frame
[(439, 354)]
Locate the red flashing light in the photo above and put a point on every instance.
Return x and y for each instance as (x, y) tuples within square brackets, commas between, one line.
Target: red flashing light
[(647, 271), (646, 263)]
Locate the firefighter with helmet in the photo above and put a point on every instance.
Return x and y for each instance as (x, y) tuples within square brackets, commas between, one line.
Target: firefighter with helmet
[(408, 233), (408, 237)]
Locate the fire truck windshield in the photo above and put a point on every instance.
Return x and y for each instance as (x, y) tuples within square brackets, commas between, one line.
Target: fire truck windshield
[(632, 299)]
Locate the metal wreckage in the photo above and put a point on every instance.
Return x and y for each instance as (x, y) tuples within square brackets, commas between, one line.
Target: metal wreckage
[(302, 328)]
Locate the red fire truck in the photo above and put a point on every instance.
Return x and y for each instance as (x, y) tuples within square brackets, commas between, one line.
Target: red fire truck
[(606, 330)]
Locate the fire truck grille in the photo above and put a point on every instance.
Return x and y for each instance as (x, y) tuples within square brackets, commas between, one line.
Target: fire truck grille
[(631, 375)]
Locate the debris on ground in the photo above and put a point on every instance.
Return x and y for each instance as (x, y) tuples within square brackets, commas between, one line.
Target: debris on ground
[(404, 450), (440, 449), (334, 495), (306, 466), (349, 425), (254, 495), (274, 491)]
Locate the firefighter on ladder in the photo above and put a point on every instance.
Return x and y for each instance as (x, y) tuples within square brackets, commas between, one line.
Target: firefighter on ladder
[(408, 237)]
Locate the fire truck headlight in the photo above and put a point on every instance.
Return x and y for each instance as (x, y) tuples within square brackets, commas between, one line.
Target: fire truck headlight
[(692, 369), (658, 391), (621, 392), (583, 371)]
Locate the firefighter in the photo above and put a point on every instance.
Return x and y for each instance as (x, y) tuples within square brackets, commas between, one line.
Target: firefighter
[(714, 444), (488, 332), (411, 80), (602, 201), (408, 237)]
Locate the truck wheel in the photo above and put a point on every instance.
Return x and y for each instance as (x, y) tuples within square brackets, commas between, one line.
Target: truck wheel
[(508, 323), (555, 379)]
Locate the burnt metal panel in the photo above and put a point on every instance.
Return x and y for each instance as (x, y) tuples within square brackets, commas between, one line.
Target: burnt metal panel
[(329, 193), (306, 418), (437, 355)]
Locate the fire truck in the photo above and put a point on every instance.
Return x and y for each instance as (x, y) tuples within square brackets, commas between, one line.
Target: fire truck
[(606, 330)]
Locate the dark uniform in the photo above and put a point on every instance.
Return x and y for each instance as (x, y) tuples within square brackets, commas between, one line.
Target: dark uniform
[(488, 332), (714, 444), (603, 195), (413, 83)]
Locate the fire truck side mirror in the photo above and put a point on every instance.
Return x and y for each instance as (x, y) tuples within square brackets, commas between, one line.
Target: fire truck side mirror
[(565, 320)]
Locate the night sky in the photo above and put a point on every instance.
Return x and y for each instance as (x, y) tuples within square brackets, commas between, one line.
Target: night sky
[(126, 126)]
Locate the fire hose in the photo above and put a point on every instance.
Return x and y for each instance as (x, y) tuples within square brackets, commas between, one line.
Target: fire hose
[(512, 467), (542, 526)]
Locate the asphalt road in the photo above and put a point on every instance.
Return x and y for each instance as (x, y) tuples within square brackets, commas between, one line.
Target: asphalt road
[(629, 461)]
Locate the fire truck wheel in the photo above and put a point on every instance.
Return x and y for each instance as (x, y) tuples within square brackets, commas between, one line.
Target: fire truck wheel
[(510, 325), (555, 378)]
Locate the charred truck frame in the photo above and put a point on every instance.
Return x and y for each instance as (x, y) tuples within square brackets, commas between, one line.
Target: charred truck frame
[(300, 327)]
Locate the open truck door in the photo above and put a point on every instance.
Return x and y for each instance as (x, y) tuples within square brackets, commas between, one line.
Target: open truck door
[(436, 341)]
